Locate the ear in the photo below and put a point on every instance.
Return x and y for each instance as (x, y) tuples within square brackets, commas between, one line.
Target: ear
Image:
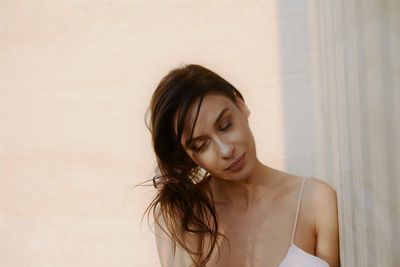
[(242, 106)]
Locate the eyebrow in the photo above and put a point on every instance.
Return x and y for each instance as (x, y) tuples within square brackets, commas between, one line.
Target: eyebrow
[(191, 140)]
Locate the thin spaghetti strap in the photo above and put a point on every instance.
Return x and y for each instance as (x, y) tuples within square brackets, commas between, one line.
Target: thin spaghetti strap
[(298, 208)]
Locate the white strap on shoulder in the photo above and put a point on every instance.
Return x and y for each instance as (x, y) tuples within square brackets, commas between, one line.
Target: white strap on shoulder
[(298, 208)]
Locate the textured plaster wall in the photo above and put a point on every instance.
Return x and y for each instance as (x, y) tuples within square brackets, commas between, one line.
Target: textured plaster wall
[(76, 79)]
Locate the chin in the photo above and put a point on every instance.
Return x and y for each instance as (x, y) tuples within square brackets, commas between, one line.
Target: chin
[(241, 176), (245, 173)]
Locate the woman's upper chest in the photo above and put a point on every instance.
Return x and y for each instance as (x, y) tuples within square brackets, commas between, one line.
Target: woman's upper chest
[(261, 235)]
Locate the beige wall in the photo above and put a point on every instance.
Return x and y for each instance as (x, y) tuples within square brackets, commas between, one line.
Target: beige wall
[(76, 78)]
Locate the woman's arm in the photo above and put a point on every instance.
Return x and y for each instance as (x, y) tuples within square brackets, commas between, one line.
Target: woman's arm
[(327, 229)]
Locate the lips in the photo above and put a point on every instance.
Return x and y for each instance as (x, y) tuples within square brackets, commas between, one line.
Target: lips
[(237, 164)]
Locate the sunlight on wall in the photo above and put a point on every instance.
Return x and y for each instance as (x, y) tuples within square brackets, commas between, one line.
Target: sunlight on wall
[(76, 80)]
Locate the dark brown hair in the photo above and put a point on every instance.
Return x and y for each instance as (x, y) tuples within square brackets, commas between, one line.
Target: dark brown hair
[(184, 199)]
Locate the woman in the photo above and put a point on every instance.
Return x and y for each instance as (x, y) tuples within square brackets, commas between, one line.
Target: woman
[(217, 204)]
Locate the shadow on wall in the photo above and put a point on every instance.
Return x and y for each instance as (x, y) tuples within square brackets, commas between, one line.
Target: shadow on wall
[(297, 96)]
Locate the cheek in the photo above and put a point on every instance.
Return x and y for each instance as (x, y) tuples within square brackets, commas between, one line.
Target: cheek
[(205, 160), (242, 134)]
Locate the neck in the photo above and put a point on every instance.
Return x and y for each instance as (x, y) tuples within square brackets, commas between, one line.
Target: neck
[(242, 195), (235, 194)]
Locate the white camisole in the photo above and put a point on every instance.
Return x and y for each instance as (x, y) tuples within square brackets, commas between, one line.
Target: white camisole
[(296, 257)]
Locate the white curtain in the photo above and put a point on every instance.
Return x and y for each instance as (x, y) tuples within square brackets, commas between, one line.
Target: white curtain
[(356, 64)]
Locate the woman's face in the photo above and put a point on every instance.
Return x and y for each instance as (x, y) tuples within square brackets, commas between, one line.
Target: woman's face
[(222, 142)]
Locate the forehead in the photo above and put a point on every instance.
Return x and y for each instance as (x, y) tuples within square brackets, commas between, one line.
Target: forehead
[(210, 108)]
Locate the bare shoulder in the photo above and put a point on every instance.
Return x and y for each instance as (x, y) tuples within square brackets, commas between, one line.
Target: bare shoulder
[(320, 198), (323, 200), (317, 195), (320, 191), (321, 195)]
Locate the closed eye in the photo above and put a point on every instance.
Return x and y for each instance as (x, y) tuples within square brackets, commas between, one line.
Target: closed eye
[(198, 147), (226, 126)]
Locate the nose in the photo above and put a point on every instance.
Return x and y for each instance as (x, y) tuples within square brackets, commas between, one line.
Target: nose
[(224, 148)]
